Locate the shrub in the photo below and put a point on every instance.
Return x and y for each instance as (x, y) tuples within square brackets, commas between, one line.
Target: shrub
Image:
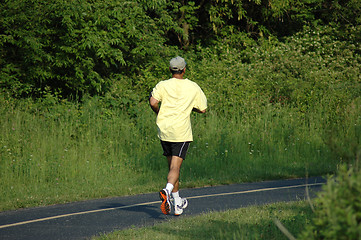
[(338, 215), (73, 47)]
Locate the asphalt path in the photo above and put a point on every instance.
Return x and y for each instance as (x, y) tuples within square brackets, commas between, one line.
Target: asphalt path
[(82, 220)]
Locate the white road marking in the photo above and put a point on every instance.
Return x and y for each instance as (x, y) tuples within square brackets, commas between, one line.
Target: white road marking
[(150, 203)]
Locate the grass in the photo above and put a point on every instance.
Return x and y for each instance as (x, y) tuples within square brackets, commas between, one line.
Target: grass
[(271, 145), (63, 152), (256, 222), (49, 158)]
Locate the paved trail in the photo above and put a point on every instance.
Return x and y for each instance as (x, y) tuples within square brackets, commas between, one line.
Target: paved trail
[(81, 220)]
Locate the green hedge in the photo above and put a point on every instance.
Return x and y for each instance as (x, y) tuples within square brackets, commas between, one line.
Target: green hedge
[(338, 211)]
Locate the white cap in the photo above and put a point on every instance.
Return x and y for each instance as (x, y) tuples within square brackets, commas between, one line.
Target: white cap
[(177, 64)]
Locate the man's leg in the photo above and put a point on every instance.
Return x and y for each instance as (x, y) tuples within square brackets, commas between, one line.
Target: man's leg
[(171, 150), (174, 164)]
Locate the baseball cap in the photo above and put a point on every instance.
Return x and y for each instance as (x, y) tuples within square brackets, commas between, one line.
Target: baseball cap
[(177, 63)]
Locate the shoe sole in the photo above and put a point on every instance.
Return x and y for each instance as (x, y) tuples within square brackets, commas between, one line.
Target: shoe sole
[(178, 213), (164, 207)]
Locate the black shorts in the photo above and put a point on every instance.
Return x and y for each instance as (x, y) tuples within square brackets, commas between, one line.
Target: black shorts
[(178, 149)]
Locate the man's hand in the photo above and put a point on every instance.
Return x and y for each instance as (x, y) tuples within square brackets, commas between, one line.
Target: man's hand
[(154, 104), (198, 111)]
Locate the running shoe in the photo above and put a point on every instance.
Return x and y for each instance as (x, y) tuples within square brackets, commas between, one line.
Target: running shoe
[(165, 206), (178, 208)]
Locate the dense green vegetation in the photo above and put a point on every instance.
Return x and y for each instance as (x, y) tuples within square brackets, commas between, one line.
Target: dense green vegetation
[(337, 215), (72, 48), (58, 152), (282, 79)]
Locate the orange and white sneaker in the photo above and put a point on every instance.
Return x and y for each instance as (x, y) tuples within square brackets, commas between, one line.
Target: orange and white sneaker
[(165, 207), (178, 207)]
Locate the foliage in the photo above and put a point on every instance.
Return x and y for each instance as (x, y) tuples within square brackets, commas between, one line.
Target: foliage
[(344, 12), (73, 47), (298, 84), (338, 212), (309, 68), (314, 73)]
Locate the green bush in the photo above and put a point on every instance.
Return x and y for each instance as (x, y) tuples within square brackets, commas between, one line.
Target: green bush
[(304, 71), (338, 212), (73, 47)]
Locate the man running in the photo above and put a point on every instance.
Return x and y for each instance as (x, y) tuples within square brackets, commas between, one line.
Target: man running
[(178, 97)]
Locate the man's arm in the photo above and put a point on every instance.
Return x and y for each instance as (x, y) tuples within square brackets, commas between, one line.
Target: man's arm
[(154, 104), (200, 102)]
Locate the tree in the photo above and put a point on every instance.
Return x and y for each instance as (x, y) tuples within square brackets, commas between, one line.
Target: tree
[(72, 47)]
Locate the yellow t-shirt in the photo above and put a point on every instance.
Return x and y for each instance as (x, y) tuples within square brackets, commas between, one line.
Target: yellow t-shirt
[(178, 97)]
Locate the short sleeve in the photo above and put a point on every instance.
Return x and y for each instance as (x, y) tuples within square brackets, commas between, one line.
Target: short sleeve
[(201, 102), (156, 93)]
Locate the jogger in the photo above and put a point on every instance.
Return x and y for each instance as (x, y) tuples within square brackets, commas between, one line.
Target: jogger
[(179, 97)]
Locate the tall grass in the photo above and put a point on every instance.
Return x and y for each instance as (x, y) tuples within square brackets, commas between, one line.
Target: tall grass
[(52, 153), (272, 143), (66, 152)]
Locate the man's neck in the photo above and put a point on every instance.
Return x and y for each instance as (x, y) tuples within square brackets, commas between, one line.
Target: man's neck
[(178, 76)]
